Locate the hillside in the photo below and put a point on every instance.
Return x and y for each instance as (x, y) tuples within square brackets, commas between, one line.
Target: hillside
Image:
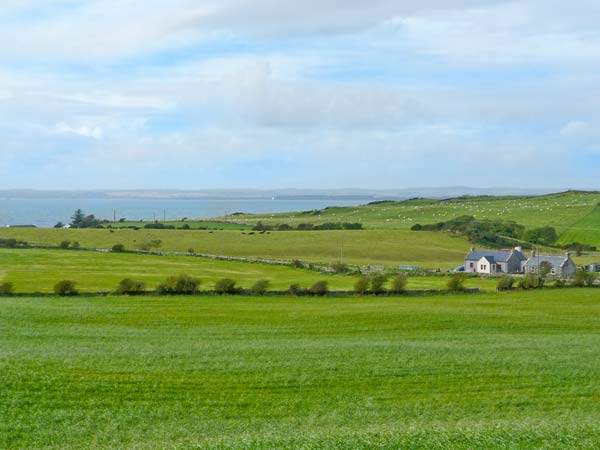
[(574, 214)]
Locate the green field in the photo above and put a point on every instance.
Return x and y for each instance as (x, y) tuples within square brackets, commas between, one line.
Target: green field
[(562, 211), (193, 224), (389, 247), (453, 372), (38, 270), (387, 239)]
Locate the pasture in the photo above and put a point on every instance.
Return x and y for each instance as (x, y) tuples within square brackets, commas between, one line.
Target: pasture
[(388, 247), (488, 371), (38, 270), (192, 224), (562, 211)]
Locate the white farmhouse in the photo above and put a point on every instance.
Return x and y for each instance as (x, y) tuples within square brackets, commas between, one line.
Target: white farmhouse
[(492, 262)]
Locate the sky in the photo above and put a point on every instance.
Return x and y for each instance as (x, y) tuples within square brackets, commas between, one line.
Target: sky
[(190, 94)]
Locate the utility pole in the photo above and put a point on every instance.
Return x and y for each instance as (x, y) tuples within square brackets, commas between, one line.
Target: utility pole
[(539, 269), (164, 215), (341, 251), (114, 215)]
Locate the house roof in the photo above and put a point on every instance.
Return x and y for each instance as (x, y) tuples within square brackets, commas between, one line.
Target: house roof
[(556, 261), (492, 256)]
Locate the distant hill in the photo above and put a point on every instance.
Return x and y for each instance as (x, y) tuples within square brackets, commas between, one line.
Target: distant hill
[(574, 214), (280, 194)]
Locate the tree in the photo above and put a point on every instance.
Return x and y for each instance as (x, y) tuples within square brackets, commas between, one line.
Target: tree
[(225, 286), (260, 287), (545, 269), (181, 284), (320, 288), (378, 283), (6, 288), (456, 282), (59, 225), (77, 219), (361, 287), (66, 288), (399, 283), (128, 286)]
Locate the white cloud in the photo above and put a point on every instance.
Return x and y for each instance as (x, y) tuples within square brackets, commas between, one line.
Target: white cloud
[(88, 131), (576, 127), (516, 32)]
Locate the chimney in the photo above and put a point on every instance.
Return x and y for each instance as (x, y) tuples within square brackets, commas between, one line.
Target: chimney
[(533, 253), (518, 248), (567, 255), (472, 249)]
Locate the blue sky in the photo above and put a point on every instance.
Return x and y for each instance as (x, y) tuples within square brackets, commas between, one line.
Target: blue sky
[(271, 94)]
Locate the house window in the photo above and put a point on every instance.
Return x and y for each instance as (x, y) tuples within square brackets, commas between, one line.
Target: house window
[(553, 271), (533, 269), (472, 265)]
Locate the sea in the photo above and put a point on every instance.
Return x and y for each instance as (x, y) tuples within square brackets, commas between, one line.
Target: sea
[(46, 212)]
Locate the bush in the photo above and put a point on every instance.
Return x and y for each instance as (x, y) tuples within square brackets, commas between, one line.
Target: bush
[(153, 244), (128, 286), (6, 288), (191, 251), (12, 243), (339, 267), (559, 283), (583, 278), (456, 282), (260, 287), (295, 289), (75, 245), (65, 288), (542, 236), (320, 288), (297, 263), (225, 286), (118, 248), (181, 284), (65, 244), (378, 283), (399, 283), (505, 283), (529, 281), (361, 286)]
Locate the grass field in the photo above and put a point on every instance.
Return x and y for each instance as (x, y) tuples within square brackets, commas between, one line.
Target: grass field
[(562, 211), (389, 247), (454, 372), (193, 224), (587, 229), (38, 270)]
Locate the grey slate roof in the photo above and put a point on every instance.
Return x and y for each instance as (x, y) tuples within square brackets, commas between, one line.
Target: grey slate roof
[(556, 261), (493, 256)]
